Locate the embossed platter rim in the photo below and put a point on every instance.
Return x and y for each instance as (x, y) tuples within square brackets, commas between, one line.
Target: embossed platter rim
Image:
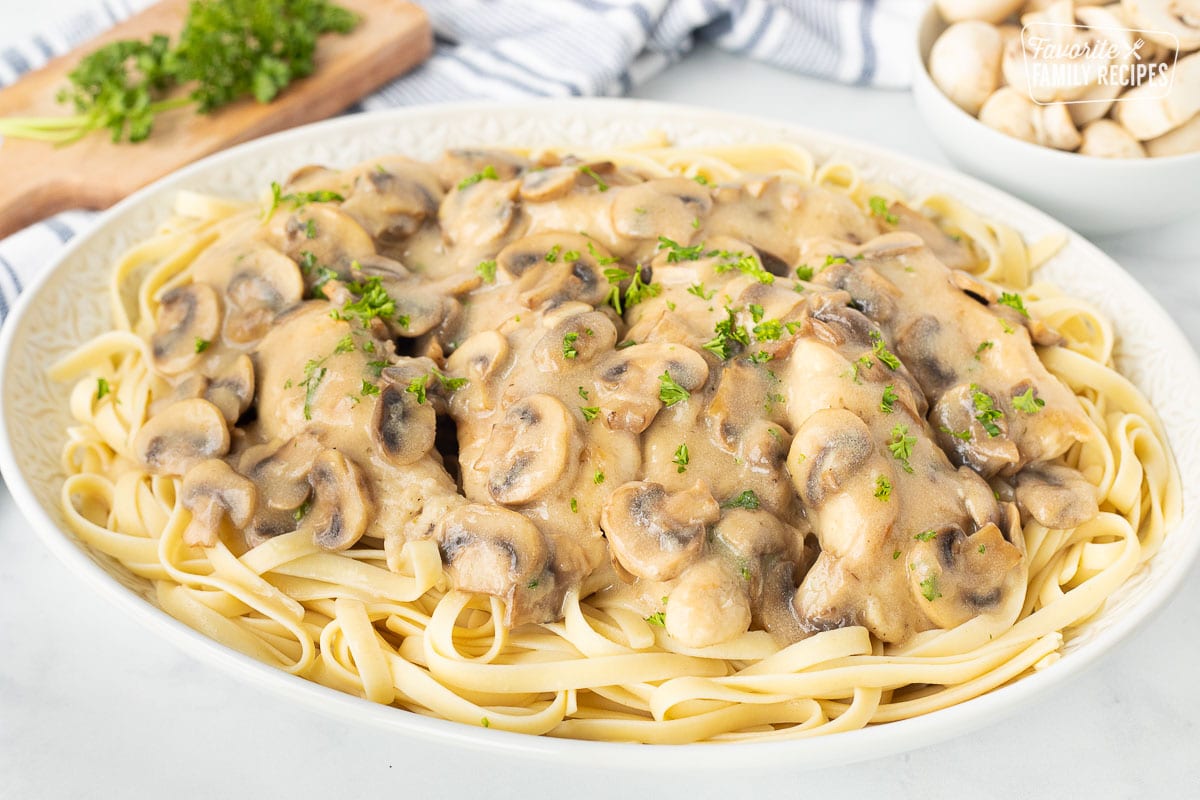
[(69, 303)]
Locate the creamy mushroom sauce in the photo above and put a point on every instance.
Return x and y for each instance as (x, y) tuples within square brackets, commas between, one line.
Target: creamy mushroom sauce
[(741, 406)]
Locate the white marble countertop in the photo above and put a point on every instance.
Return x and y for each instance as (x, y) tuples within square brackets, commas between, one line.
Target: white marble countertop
[(91, 705)]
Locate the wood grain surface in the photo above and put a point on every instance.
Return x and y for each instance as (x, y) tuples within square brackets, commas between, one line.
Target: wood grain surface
[(38, 179)]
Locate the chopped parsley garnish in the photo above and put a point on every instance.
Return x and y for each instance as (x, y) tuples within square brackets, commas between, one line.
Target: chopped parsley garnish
[(598, 478), (568, 345), (1028, 403), (308, 261), (302, 512), (488, 173), (485, 722), (986, 411), (831, 260), (964, 435), (747, 499), (879, 208), (373, 301), (314, 373), (298, 199), (450, 384), (376, 367), (901, 446), (583, 393), (344, 345), (926, 536), (603, 261), (669, 391), (638, 289), (571, 255), (929, 588), (700, 179), (1007, 328), (102, 388), (895, 555), (552, 256), (417, 387), (487, 271), (883, 488), (624, 344), (368, 389), (590, 412), (200, 344), (982, 549), (761, 357), (770, 330), (658, 618), (677, 252), (984, 346), (681, 458), (728, 336), (756, 312), (698, 290), (310, 229), (533, 584), (804, 272), (1013, 300), (591, 173), (574, 506), (746, 264), (887, 403), (882, 353)]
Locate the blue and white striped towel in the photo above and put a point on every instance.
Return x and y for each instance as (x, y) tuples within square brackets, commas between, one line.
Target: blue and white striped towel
[(526, 48)]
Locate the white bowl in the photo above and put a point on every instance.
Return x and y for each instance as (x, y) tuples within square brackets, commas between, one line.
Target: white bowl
[(1098, 196), (70, 304)]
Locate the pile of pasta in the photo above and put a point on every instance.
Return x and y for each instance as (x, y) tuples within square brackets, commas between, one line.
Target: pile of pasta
[(603, 672)]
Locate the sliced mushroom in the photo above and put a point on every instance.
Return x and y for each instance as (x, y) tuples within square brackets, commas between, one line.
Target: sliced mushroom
[(457, 165), (660, 207), (553, 268), (830, 448), (479, 214), (1184, 139), (1149, 111), (1170, 23), (333, 238), (708, 606), (631, 382), (531, 450), (654, 534), (233, 390), (491, 550), (1056, 496), (954, 577), (1106, 139), (402, 427), (965, 63), (212, 491), (482, 358), (341, 504), (187, 315), (264, 283), (181, 435), (393, 197), (950, 251), (985, 10), (576, 340), (539, 186), (280, 473), (964, 437), (1010, 112)]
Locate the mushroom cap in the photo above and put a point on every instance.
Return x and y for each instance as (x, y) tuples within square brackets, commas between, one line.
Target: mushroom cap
[(1107, 139), (984, 10), (1184, 139), (482, 358), (337, 241), (965, 63), (212, 491), (403, 428), (341, 506), (263, 283), (655, 534), (708, 606), (459, 163), (181, 435), (233, 390), (1056, 496), (660, 207), (480, 214), (530, 451), (1147, 112), (186, 314), (630, 381), (491, 550), (544, 275), (575, 340), (1010, 112), (393, 197), (1170, 23), (1053, 127)]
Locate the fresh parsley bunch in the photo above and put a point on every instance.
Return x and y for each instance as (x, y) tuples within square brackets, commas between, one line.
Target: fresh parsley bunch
[(227, 50)]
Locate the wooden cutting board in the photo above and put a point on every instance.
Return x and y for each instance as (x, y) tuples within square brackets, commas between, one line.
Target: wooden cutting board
[(38, 179)]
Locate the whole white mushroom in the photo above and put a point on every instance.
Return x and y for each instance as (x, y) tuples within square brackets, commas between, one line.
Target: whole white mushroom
[(1053, 127), (1106, 139), (1184, 139), (965, 63), (1150, 110), (1011, 112), (1165, 21)]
